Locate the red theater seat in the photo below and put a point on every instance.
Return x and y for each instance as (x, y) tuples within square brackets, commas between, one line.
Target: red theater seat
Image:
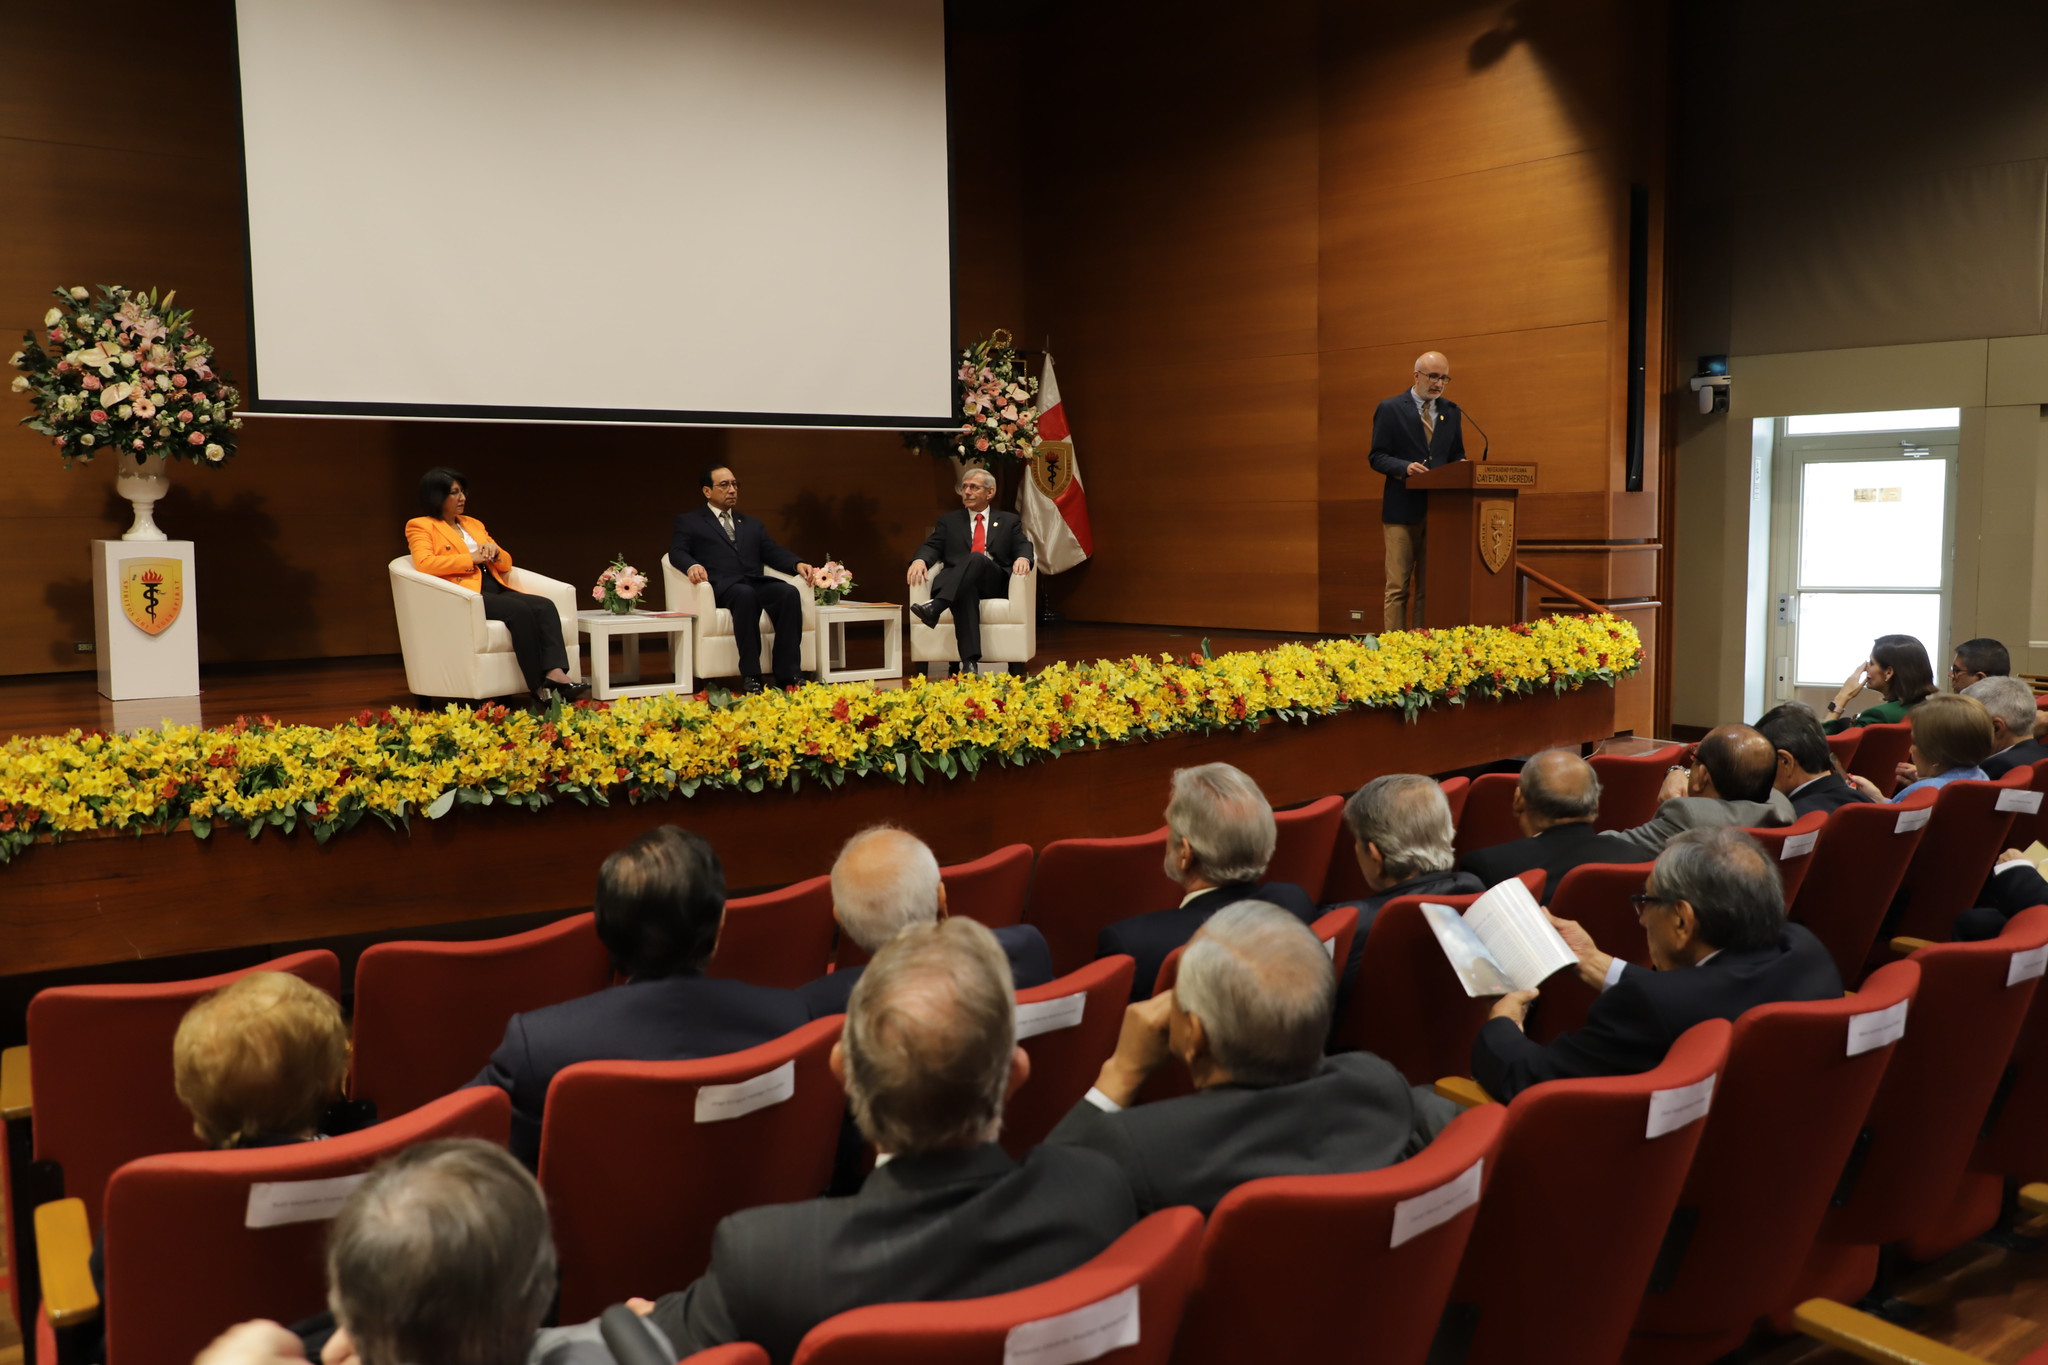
[(1791, 848), (1629, 786), (1488, 815), (1082, 886), (1963, 841), (1879, 752), (1857, 865), (1596, 897), (781, 938), (1306, 836), (1069, 1027)]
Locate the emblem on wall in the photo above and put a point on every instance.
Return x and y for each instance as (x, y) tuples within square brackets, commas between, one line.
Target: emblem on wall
[(1496, 534), (152, 592), (1052, 467)]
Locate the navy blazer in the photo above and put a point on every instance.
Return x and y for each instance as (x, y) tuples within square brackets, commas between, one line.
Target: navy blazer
[(1398, 441), (1827, 792), (1006, 541), (1556, 850), (1152, 938), (673, 1019), (2026, 751), (1635, 1021), (699, 539), (1030, 965)]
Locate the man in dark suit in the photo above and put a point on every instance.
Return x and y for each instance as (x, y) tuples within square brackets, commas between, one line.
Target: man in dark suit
[(1219, 837), (1248, 1015), (1412, 433), (659, 901), (884, 881), (1714, 915), (726, 548), (1556, 801), (928, 1058), (2011, 704), (2014, 885), (1731, 783), (1806, 771), (1402, 828), (980, 548)]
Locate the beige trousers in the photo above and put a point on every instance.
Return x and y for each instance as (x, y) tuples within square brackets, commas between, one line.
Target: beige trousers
[(1404, 561)]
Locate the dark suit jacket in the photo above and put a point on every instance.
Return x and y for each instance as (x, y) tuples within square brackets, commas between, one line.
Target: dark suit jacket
[(1356, 1114), (2026, 751), (699, 539), (1825, 793), (1447, 883), (1556, 850), (1152, 938), (1398, 440), (953, 534), (1635, 1021), (677, 1018), (1030, 965), (945, 1225)]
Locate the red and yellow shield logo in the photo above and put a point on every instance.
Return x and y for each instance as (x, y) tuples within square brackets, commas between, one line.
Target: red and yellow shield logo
[(152, 592)]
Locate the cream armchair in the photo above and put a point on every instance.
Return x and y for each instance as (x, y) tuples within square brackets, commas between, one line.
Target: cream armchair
[(718, 654), (1009, 625), (451, 650)]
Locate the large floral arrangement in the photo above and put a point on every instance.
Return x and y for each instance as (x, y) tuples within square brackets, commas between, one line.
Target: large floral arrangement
[(619, 586), (123, 371), (998, 412), (392, 765)]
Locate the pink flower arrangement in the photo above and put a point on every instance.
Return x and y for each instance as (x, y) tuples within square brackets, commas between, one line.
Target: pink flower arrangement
[(619, 586), (999, 419), (831, 581)]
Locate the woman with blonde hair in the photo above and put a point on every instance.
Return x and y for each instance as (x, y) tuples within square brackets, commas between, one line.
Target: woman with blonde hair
[(1952, 737)]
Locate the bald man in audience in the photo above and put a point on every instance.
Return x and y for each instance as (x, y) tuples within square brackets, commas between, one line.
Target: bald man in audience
[(1247, 1016), (1412, 433), (1557, 799), (1732, 781), (2011, 704)]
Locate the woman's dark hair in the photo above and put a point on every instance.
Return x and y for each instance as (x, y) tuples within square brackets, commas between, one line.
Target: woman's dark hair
[(1912, 674), (434, 486), (659, 900)]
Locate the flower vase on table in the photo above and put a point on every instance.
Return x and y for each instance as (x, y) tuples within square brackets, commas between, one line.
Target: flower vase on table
[(619, 587), (830, 581)]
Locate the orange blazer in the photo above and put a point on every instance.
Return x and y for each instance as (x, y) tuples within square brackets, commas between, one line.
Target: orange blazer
[(438, 550)]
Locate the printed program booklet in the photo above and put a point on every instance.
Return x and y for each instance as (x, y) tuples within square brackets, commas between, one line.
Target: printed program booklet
[(1503, 942)]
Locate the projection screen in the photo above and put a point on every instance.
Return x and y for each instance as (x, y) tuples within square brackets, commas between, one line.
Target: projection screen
[(711, 211)]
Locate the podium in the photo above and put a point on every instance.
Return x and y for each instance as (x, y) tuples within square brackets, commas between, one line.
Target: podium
[(1468, 569)]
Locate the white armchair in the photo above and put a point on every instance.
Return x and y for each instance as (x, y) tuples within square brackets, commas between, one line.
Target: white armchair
[(718, 654), (1009, 625), (451, 650)]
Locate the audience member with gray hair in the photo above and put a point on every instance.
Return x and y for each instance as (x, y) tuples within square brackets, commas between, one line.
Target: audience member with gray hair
[(1557, 798), (1714, 915), (2011, 704), (886, 880), (1219, 838), (928, 1058), (1247, 1016), (1402, 827)]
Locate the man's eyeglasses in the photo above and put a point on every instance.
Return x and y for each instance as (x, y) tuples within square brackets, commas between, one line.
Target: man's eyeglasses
[(1643, 900), (1440, 378)]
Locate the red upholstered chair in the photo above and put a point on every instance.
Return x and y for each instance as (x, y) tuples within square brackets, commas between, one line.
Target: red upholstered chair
[(1316, 1267), (990, 889), (429, 1015), (1786, 1114), (1545, 1263), (183, 1265), (1842, 748), (1406, 1004), (782, 938), (1629, 786), (2031, 827), (1082, 886), (1923, 1124), (1456, 789), (1307, 836), (1335, 929), (1880, 752), (1153, 1263), (1488, 816), (1791, 848), (1855, 871), (1345, 879), (1963, 841), (1596, 896), (1069, 1027), (640, 1160), (735, 1353)]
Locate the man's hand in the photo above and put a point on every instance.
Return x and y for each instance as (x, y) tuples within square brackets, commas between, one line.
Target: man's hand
[(1021, 567), (916, 573), (258, 1342), (1677, 783), (1513, 1007), (696, 574), (1593, 964), (644, 1307), (1140, 1050), (2011, 855), (804, 571), (339, 1350), (1416, 467)]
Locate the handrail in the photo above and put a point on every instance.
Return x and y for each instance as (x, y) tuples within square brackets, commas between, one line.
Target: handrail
[(1551, 583)]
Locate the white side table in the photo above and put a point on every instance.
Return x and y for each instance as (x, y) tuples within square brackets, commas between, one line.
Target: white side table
[(832, 623), (600, 626)]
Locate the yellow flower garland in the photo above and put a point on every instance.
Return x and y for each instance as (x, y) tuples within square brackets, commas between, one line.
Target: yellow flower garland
[(394, 764)]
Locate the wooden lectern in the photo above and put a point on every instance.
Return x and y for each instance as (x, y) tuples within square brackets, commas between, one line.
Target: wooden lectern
[(1468, 571)]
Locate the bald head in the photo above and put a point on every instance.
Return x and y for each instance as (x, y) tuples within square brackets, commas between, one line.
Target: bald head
[(1557, 787), (1432, 372), (1735, 763), (884, 881)]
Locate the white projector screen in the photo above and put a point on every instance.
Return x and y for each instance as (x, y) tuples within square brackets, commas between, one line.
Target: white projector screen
[(711, 211)]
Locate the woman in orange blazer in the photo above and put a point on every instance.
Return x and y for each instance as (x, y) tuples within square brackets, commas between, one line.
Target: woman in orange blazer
[(449, 545)]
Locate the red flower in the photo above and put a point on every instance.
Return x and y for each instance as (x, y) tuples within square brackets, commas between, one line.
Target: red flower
[(840, 709)]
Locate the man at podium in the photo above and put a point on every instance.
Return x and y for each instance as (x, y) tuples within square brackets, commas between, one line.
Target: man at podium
[(1412, 432)]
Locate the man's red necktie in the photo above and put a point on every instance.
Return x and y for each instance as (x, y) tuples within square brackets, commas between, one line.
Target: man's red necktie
[(980, 545)]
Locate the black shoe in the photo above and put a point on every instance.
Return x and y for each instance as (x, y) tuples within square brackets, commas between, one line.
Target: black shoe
[(749, 686), (928, 612), (789, 684), (571, 692)]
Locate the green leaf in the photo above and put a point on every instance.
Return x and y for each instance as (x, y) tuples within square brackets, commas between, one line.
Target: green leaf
[(201, 827), (441, 805)]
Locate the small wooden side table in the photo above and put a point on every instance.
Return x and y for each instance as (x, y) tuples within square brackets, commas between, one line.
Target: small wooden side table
[(600, 626)]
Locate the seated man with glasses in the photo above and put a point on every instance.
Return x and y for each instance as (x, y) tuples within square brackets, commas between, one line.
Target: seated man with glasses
[(1412, 433), (1714, 915)]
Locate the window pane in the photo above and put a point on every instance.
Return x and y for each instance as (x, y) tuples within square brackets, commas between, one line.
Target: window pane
[(1839, 423), (1872, 523), (1836, 630)]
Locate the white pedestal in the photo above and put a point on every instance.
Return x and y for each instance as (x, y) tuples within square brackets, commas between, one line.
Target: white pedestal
[(600, 626), (134, 663), (832, 624)]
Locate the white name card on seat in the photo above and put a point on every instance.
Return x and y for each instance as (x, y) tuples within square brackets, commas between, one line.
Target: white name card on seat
[(1330, 949), (1877, 1028), (2027, 965), (2020, 801), (718, 1103), (1671, 1110), (1413, 1217), (1910, 820), (1799, 845), (1085, 1334), (274, 1203), (1050, 1016)]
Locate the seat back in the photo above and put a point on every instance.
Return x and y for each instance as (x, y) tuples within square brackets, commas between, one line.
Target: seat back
[(1154, 1264), (1488, 816), (1080, 887), (1842, 748), (991, 890), (780, 938), (1068, 1027), (640, 1160), (2014, 1138), (1306, 835), (1282, 1254), (1629, 785), (100, 1071), (1630, 1137), (1963, 841), (1791, 848), (1785, 1116), (1879, 753), (1455, 789), (2030, 827), (1595, 896), (183, 1263), (429, 1015), (1855, 871)]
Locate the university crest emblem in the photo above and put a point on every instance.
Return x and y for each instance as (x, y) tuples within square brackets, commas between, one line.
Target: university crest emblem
[(152, 592), (1052, 467), (1496, 534)]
